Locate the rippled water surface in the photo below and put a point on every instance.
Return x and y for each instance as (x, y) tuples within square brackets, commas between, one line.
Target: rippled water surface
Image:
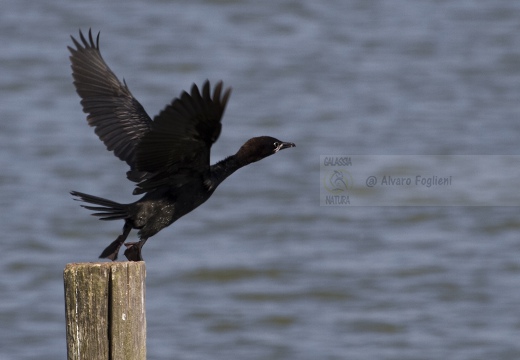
[(261, 271)]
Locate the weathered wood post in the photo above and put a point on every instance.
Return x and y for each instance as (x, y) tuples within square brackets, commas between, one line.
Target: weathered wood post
[(105, 310)]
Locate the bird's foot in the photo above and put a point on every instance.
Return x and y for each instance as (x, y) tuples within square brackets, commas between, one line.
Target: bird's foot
[(133, 251), (113, 249)]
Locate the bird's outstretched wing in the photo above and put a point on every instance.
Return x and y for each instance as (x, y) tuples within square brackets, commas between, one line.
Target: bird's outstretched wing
[(178, 145), (118, 118)]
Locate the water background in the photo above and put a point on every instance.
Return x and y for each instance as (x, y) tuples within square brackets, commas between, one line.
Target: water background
[(261, 271)]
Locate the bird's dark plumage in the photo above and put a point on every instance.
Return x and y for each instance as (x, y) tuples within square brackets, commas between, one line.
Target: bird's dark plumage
[(118, 118), (169, 157)]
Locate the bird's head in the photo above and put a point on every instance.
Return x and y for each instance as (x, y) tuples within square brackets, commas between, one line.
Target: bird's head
[(261, 147)]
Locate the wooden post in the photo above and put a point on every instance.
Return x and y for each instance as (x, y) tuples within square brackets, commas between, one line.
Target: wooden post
[(105, 310)]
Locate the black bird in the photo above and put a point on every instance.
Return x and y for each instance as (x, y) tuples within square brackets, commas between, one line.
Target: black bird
[(168, 157)]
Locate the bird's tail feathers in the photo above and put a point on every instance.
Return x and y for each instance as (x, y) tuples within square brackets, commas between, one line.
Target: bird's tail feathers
[(108, 209)]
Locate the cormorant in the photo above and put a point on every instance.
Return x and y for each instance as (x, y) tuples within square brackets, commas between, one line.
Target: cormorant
[(169, 157)]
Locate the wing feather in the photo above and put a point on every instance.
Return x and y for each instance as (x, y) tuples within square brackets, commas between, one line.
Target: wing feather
[(179, 142), (117, 117), (168, 151)]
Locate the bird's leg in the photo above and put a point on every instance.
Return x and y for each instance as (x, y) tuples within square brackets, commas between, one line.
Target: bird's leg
[(111, 250), (133, 250)]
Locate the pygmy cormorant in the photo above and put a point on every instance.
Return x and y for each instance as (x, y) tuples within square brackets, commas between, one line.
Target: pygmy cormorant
[(168, 157)]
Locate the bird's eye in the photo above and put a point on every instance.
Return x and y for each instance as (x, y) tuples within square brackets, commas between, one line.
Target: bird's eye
[(276, 144)]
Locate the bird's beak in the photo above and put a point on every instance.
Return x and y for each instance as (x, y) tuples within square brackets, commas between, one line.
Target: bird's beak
[(285, 145)]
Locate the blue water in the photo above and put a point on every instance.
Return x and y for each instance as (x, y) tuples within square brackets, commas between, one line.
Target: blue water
[(261, 271)]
